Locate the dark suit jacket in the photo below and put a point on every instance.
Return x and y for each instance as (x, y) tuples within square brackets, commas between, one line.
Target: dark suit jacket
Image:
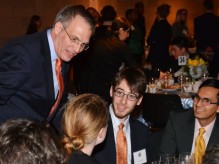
[(159, 40), (26, 85), (179, 132), (105, 153), (206, 31)]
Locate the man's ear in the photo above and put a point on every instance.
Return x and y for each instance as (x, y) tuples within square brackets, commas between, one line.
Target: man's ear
[(111, 91), (120, 30), (139, 100), (58, 27), (217, 107)]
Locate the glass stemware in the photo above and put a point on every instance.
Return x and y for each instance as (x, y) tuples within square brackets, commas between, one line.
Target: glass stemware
[(167, 159), (204, 77), (180, 81), (186, 158), (186, 84)]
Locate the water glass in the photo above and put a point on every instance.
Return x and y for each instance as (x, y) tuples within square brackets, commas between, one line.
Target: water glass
[(167, 159), (180, 81), (186, 158), (204, 77), (187, 84)]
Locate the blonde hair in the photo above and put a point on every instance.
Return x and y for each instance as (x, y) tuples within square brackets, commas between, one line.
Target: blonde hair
[(179, 15), (83, 118)]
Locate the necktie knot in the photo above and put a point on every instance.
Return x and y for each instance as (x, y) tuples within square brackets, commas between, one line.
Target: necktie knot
[(58, 63), (121, 126), (201, 131)]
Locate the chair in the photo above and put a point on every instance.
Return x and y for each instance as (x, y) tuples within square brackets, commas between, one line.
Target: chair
[(156, 108)]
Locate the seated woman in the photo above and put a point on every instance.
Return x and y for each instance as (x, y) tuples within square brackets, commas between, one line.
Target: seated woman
[(84, 125)]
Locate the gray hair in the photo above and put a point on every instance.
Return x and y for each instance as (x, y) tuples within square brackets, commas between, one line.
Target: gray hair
[(66, 14)]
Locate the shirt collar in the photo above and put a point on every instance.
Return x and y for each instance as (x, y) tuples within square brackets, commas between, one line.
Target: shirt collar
[(116, 121), (207, 128), (51, 46)]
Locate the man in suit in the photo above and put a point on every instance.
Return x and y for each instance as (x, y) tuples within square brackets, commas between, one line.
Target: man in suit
[(207, 35), (29, 85), (127, 91), (182, 129), (206, 29), (159, 39)]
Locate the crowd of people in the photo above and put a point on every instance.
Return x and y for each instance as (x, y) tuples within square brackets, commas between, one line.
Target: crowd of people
[(40, 123)]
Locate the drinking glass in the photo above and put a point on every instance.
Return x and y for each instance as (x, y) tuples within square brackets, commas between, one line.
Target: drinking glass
[(186, 84), (180, 81), (186, 158), (152, 80), (204, 76), (167, 159)]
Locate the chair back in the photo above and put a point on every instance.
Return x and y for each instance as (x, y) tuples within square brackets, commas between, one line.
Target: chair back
[(156, 107)]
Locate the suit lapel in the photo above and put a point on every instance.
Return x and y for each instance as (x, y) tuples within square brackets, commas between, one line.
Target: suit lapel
[(214, 138), (188, 132), (111, 138), (47, 67)]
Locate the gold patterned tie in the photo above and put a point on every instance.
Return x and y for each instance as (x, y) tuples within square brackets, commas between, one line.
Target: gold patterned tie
[(61, 86), (199, 146), (121, 146)]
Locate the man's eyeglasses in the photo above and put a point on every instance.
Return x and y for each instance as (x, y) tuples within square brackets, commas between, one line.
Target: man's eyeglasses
[(130, 96), (205, 101), (75, 40)]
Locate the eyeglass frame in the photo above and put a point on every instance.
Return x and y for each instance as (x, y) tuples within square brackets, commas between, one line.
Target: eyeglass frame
[(203, 99), (122, 94), (83, 46)]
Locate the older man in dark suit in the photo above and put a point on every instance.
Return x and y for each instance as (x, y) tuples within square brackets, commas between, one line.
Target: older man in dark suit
[(126, 91), (180, 134), (29, 84)]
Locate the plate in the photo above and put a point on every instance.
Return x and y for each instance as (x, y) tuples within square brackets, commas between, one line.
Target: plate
[(169, 90)]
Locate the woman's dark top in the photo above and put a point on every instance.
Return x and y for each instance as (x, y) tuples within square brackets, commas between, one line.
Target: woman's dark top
[(79, 157)]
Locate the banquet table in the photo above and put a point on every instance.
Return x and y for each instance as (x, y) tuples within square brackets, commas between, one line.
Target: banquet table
[(186, 98)]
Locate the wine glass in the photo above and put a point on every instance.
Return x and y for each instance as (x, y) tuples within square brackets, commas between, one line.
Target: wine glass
[(167, 159), (186, 84), (186, 158), (204, 76), (152, 80), (180, 81)]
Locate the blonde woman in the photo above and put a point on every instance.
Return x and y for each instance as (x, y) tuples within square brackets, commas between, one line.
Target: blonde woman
[(84, 125), (180, 27)]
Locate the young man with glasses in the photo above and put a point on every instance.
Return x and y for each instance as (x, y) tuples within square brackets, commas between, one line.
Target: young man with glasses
[(32, 84), (182, 129), (127, 91)]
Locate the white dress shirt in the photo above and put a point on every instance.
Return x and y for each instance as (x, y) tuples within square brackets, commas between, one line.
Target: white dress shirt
[(126, 129), (206, 135), (53, 60)]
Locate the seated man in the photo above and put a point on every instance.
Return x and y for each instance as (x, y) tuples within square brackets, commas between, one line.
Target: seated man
[(127, 91), (194, 130)]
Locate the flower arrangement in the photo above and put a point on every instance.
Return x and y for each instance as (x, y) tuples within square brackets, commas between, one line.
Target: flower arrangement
[(194, 68)]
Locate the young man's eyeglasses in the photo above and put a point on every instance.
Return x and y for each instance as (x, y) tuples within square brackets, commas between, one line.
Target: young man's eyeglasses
[(75, 40), (130, 96), (205, 101)]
